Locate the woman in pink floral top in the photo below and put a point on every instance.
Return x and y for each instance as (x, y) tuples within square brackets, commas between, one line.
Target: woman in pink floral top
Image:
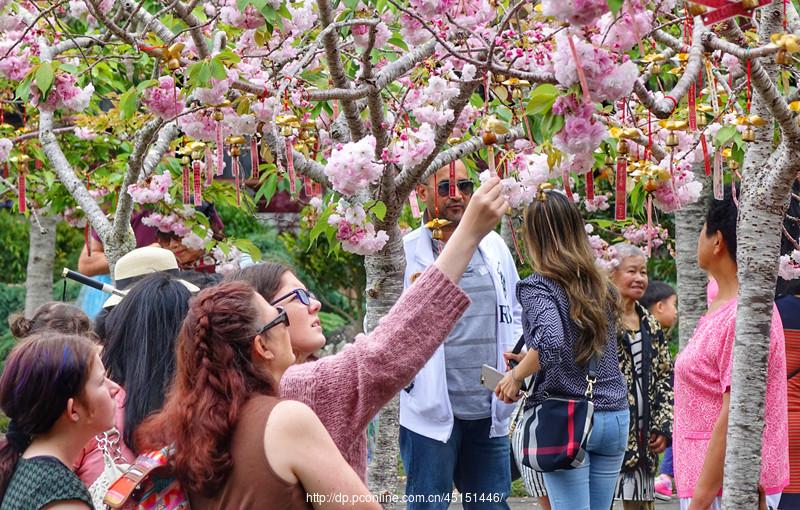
[(703, 377)]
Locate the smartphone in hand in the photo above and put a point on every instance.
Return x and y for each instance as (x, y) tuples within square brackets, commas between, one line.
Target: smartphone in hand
[(490, 376)]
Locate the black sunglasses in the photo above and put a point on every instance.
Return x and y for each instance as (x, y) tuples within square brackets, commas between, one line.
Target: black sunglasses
[(282, 318), (303, 295), (465, 187)]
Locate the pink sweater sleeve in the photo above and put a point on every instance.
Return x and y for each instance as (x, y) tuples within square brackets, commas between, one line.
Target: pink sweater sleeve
[(348, 389)]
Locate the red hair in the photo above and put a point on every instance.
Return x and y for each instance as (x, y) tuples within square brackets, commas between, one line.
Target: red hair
[(214, 378)]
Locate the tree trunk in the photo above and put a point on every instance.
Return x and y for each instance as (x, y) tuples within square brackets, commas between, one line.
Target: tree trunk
[(691, 279), (384, 286), (41, 254)]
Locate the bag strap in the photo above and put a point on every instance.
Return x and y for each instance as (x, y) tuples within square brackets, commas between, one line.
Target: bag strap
[(130, 482), (516, 350), (591, 376)]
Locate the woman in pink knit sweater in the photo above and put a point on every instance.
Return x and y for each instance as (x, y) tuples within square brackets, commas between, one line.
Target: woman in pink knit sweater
[(348, 389)]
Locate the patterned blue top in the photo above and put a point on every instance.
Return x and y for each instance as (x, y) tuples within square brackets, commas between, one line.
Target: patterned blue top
[(548, 328)]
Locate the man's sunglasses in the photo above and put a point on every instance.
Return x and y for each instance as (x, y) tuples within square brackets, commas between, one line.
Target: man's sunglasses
[(282, 318), (465, 187), (303, 295)]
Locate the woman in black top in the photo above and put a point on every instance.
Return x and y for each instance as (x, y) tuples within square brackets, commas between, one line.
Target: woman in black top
[(54, 390)]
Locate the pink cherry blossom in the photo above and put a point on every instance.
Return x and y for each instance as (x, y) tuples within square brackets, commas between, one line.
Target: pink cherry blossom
[(413, 146), (682, 189), (621, 33), (575, 12), (63, 94), (606, 77), (215, 94), (598, 203), (85, 133), (581, 133), (354, 230), (153, 190), (351, 168), (250, 18), (789, 266), (200, 125), (166, 100), (361, 35)]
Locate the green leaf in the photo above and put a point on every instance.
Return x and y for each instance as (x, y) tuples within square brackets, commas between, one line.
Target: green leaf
[(203, 74), (218, 70), (44, 78), (351, 4), (247, 246), (24, 88), (724, 135), (267, 190), (241, 4), (542, 99), (128, 104), (614, 6), (259, 4), (399, 42), (284, 11), (379, 210), (321, 225), (146, 84)]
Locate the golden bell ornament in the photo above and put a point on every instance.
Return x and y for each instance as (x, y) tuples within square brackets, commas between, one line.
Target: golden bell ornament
[(672, 140), (782, 58), (702, 120), (733, 164), (218, 115), (435, 225), (609, 161), (749, 134), (286, 130), (750, 4), (185, 160), (489, 138), (622, 147), (655, 68), (650, 185)]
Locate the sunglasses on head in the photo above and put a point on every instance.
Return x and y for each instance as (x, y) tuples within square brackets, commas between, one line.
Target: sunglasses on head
[(465, 187), (282, 318), (303, 295)]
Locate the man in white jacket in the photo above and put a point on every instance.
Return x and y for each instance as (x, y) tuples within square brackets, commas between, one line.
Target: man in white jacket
[(452, 429)]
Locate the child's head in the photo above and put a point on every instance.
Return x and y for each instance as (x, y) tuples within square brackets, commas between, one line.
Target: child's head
[(662, 301)]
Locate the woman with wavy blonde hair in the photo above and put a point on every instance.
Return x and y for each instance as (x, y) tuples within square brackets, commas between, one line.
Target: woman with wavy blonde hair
[(569, 317)]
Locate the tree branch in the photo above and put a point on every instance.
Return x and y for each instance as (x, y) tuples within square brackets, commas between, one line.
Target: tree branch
[(62, 167), (141, 141), (195, 33), (663, 108), (302, 165), (337, 75), (406, 180)]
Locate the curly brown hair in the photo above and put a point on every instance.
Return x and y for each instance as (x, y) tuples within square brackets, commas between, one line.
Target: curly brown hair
[(214, 378)]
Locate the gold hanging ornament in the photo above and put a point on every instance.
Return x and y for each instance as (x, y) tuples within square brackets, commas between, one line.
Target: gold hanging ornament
[(672, 126), (172, 56), (491, 127), (750, 122), (436, 225)]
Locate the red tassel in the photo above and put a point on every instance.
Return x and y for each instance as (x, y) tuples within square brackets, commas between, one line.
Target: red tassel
[(317, 189), (187, 190), (235, 171), (209, 167), (567, 188), (254, 172), (692, 108), (220, 161), (452, 189), (590, 185), (579, 69), (197, 175), (621, 185), (23, 201), (290, 168), (706, 162), (5, 170), (308, 186)]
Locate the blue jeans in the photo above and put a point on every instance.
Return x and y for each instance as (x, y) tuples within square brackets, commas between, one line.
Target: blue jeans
[(479, 466), (666, 463), (591, 486)]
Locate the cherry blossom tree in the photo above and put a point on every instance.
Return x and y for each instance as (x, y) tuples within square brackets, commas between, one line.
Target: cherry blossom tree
[(624, 105)]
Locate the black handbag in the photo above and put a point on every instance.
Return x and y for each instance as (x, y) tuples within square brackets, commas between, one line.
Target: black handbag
[(552, 435)]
